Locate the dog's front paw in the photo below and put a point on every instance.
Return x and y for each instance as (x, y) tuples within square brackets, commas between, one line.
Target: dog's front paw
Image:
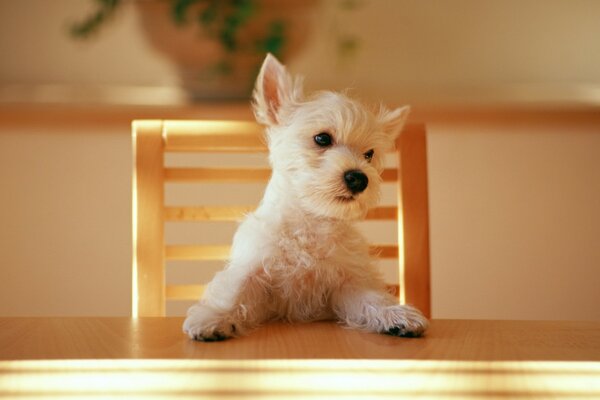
[(205, 325), (405, 321), (210, 334)]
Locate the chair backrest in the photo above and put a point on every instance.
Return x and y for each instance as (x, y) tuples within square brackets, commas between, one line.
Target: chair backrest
[(153, 138)]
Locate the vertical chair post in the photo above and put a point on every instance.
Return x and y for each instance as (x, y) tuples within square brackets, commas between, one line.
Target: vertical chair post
[(413, 197), (148, 286)]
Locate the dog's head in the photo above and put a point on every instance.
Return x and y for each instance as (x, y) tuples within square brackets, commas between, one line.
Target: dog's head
[(328, 147)]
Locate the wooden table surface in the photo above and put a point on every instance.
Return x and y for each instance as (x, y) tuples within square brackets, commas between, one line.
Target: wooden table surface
[(117, 357)]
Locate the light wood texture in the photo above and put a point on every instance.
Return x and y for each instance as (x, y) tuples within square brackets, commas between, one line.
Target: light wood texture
[(383, 213), (214, 136), (413, 194), (196, 252), (184, 292), (148, 231), (217, 174), (207, 213), (193, 292), (95, 337), (225, 175), (150, 357), (236, 213), (216, 253), (224, 136), (384, 251), (298, 379), (150, 175)]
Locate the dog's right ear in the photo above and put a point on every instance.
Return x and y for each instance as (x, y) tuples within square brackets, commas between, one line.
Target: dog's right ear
[(275, 89), (393, 121)]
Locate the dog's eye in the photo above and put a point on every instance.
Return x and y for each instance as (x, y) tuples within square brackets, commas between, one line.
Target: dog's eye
[(323, 139), (369, 155)]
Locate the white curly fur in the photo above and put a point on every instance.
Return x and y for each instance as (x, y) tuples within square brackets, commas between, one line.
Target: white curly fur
[(298, 256)]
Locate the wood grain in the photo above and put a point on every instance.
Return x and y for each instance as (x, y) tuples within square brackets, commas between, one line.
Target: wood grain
[(414, 199), (298, 379), (148, 231), (237, 175), (193, 292), (76, 338), (237, 213), (151, 358), (197, 252), (221, 175), (221, 136), (214, 136), (184, 292), (207, 213), (221, 252)]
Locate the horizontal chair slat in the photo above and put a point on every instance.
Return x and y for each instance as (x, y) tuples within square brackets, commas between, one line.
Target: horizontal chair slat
[(196, 252), (384, 251), (237, 175), (222, 136), (213, 136), (383, 213), (207, 213), (193, 292), (236, 213), (221, 252), (217, 174), (184, 292)]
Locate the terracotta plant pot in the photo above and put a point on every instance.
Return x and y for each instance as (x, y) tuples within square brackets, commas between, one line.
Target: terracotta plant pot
[(206, 70)]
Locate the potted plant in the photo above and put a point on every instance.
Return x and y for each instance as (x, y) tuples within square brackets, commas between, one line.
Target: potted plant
[(216, 45)]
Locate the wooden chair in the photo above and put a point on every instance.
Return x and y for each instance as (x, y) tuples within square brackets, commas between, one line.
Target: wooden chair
[(153, 138)]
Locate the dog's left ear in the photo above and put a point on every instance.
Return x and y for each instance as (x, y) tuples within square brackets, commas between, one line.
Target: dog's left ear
[(275, 89), (393, 121)]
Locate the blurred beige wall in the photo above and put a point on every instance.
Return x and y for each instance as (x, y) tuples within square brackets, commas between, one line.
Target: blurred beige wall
[(66, 221), (514, 195), (37, 49), (515, 211)]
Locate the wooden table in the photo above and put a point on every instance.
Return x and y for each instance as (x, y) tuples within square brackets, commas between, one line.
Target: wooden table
[(123, 357)]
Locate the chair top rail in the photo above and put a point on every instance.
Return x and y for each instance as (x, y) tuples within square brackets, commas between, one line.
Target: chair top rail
[(224, 136), (213, 136)]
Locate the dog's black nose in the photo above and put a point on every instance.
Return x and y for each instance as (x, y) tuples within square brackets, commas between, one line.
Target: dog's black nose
[(356, 181)]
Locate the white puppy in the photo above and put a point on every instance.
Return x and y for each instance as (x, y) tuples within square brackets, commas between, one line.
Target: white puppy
[(298, 256)]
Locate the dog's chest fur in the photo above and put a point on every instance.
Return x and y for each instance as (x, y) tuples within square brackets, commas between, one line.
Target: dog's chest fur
[(307, 262)]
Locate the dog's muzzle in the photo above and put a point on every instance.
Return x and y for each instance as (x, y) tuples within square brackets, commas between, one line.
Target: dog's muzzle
[(356, 181)]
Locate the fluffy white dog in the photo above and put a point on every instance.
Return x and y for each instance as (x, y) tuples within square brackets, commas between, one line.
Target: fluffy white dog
[(298, 256)]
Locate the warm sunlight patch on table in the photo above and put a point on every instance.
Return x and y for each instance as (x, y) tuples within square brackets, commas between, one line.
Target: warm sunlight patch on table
[(298, 378)]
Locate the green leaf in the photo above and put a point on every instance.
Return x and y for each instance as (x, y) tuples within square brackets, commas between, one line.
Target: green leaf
[(209, 14), (274, 40), (180, 10), (91, 24)]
